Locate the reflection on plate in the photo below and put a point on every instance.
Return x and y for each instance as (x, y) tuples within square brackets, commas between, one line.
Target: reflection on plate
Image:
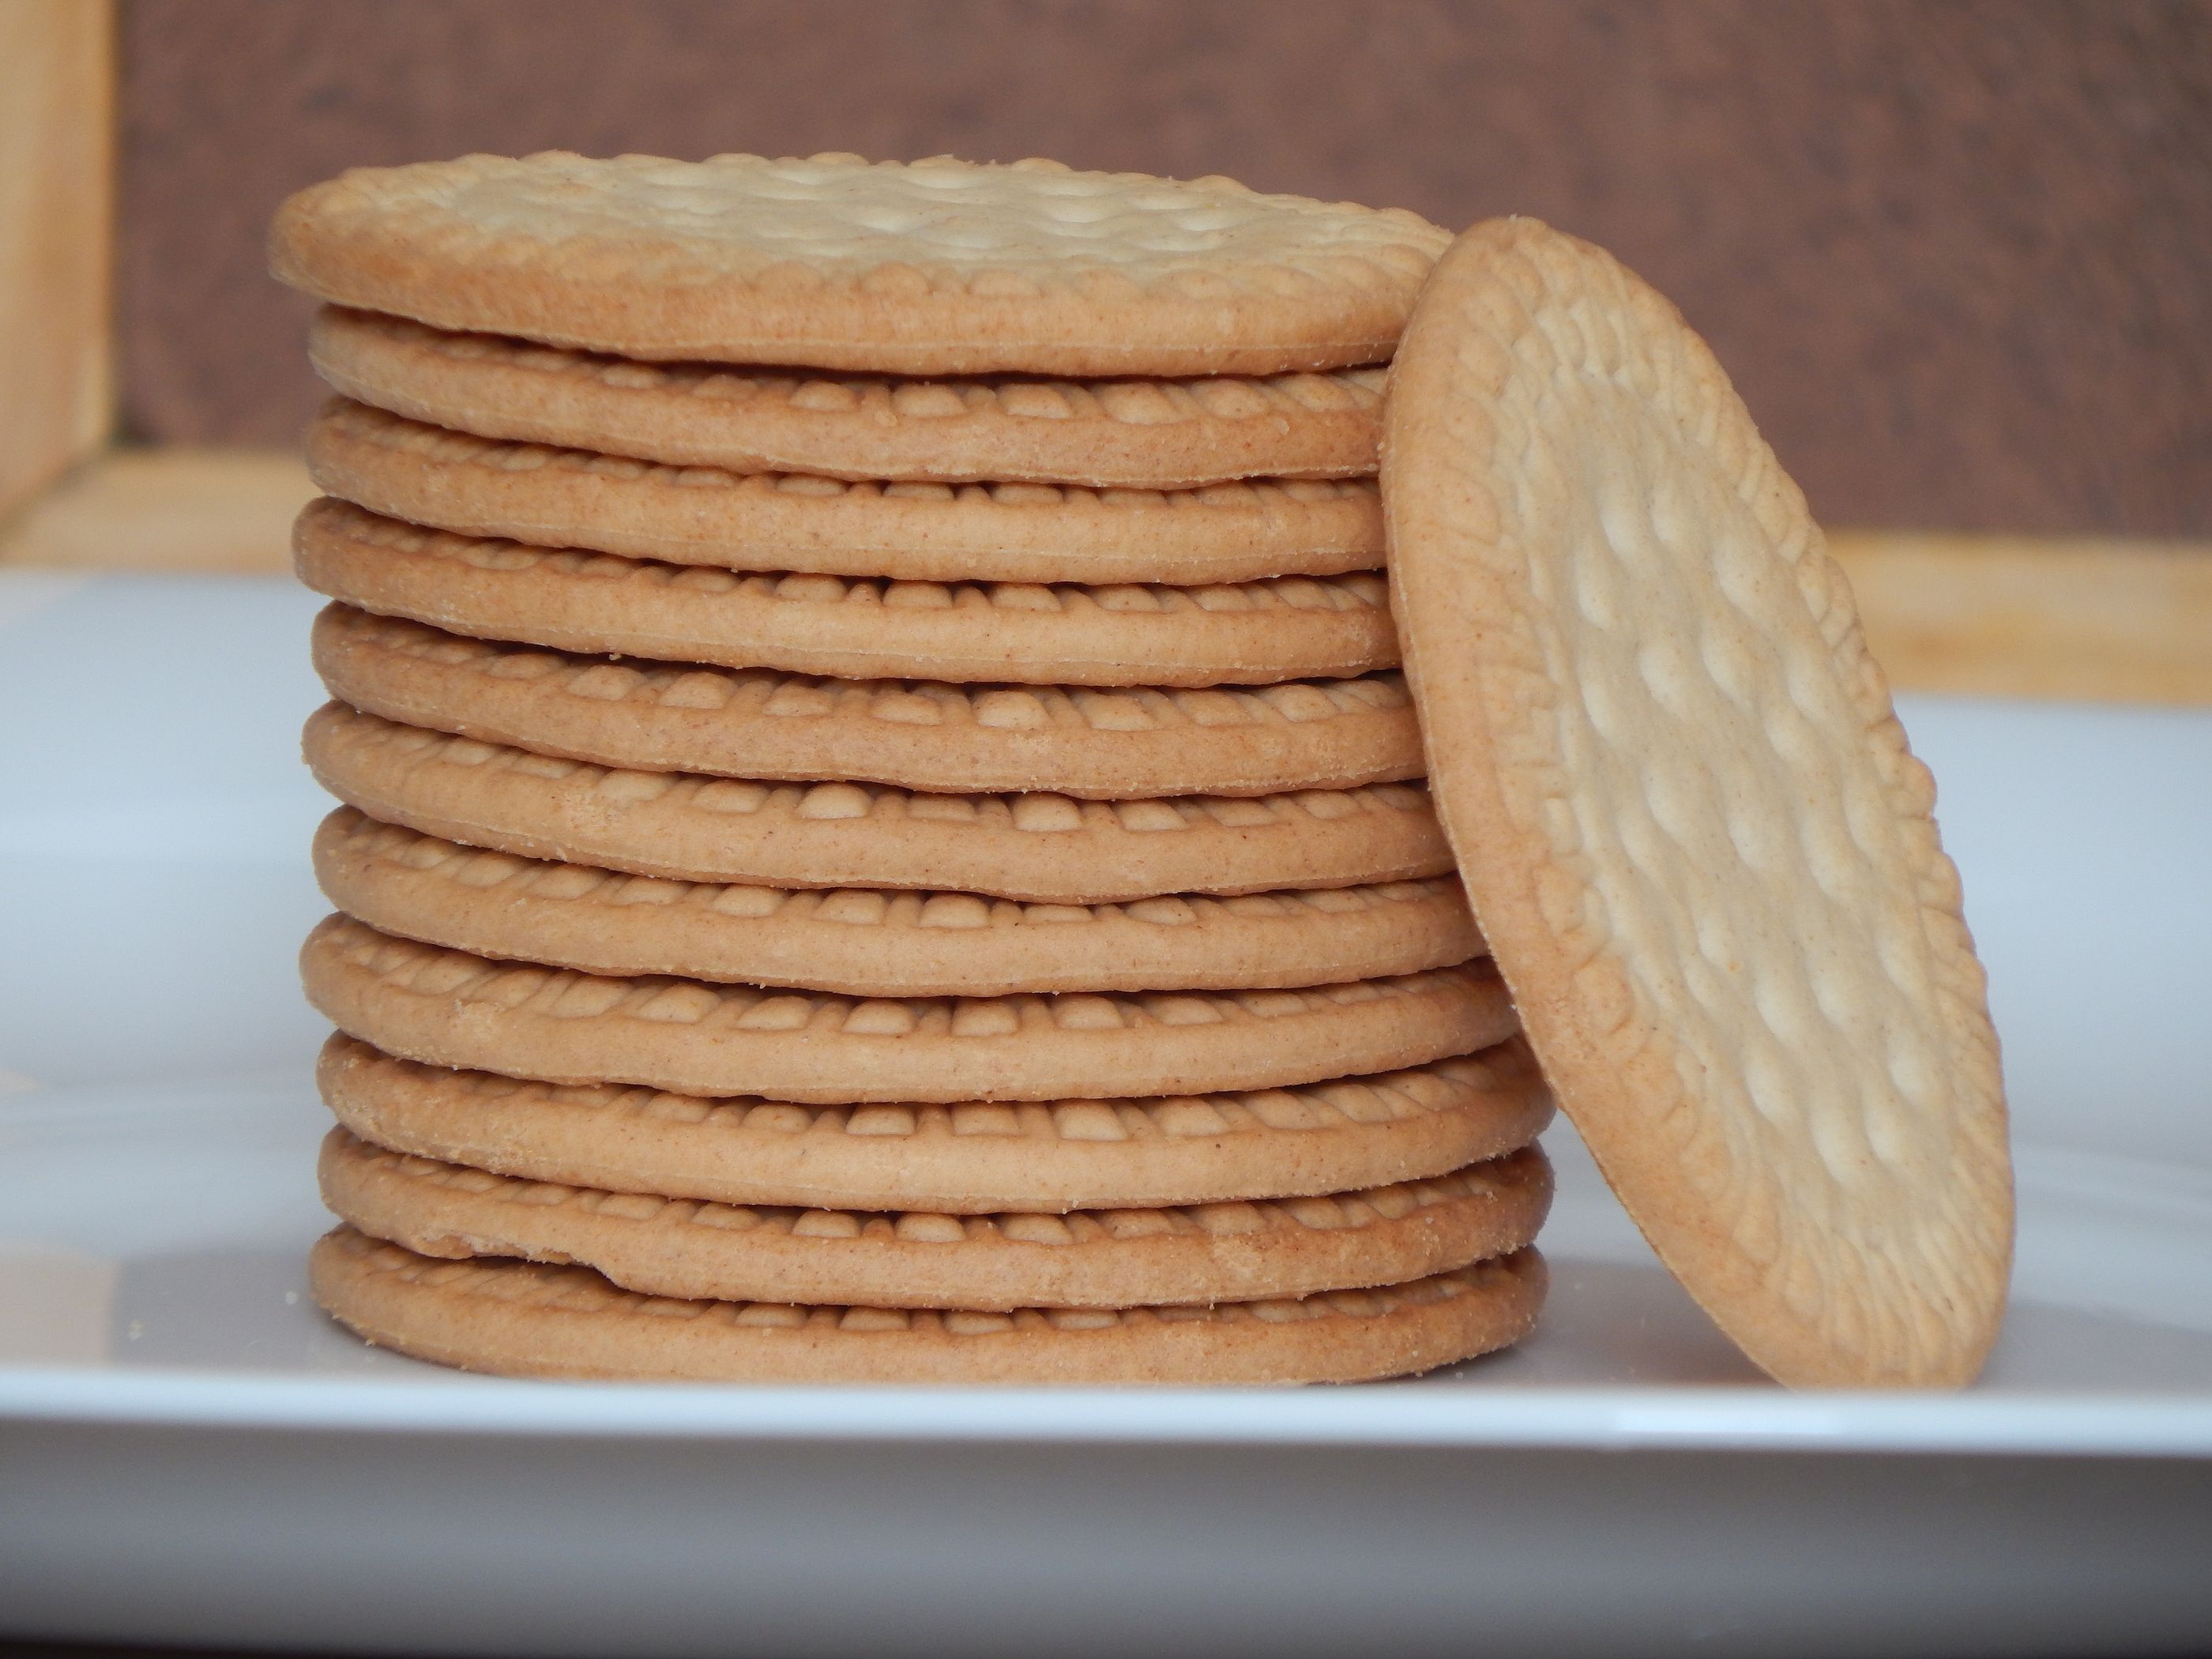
[(153, 1227)]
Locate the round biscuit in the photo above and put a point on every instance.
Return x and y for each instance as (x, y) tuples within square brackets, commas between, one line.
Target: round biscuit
[(910, 1258), (1246, 530), (1246, 634), (934, 267), (455, 1008), (874, 942), (1105, 434), (963, 1157), (1043, 848), (521, 1319), (1095, 743), (1689, 821)]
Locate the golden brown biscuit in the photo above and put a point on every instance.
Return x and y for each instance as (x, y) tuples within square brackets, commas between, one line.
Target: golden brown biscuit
[(964, 1157), (524, 1320), (1007, 532), (1093, 743), (876, 942), (1242, 634), (909, 1258), (1107, 434), (935, 267), (1688, 820), (1045, 848), (452, 1008)]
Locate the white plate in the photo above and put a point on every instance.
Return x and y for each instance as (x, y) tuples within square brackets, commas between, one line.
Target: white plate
[(175, 1417)]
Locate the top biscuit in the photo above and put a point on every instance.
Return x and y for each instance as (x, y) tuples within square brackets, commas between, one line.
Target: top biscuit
[(935, 267), (1688, 821)]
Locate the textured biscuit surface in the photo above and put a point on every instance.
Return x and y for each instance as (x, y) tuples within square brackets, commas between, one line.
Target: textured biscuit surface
[(526, 1319), (1128, 434), (799, 521), (878, 942), (1107, 744), (910, 1258), (1689, 821), (922, 268), (455, 1008), (1248, 633), (963, 1157), (1047, 847)]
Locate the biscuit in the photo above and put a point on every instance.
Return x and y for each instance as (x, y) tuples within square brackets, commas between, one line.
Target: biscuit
[(908, 1258), (935, 267), (970, 1158), (1249, 633), (871, 942), (1046, 849), (524, 1320), (1689, 821), (454, 1008), (797, 521), (1111, 744), (1107, 435)]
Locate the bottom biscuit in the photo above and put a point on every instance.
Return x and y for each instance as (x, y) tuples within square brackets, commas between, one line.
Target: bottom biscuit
[(522, 1320)]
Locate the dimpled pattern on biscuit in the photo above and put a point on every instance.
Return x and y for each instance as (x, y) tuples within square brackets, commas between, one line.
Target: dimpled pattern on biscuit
[(905, 1257), (1051, 848), (930, 267), (960, 1157), (1733, 930), (1143, 434), (873, 942), (1128, 634), (453, 1008), (523, 1318), (1102, 743), (1240, 530)]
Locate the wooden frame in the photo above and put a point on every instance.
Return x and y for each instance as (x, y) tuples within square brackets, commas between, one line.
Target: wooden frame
[(2101, 619), (57, 209)]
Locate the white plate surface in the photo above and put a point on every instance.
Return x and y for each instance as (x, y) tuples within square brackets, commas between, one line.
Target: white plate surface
[(158, 1124)]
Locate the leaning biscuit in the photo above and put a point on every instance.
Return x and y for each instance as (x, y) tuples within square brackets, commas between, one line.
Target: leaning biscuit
[(704, 515), (1688, 820), (963, 1157), (936, 267), (910, 1258), (1124, 435), (1094, 743), (875, 942), (524, 1320), (454, 1008), (1045, 848), (1245, 634)]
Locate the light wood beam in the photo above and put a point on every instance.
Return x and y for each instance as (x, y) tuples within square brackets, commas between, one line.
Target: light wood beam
[(2005, 615), (56, 207)]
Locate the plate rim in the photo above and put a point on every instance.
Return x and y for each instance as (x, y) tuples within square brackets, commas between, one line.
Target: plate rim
[(2040, 1424)]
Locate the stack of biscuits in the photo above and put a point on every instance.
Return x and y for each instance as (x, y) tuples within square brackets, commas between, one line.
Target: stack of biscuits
[(883, 838)]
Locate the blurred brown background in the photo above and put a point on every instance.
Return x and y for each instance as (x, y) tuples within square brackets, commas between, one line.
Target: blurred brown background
[(1958, 253)]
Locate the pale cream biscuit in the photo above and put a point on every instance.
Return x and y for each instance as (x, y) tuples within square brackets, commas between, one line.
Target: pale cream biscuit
[(1089, 741), (1049, 848), (704, 515), (1689, 821), (935, 267), (1127, 435), (970, 1158), (455, 1008), (873, 942), (524, 1320), (909, 1258), (1245, 634)]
